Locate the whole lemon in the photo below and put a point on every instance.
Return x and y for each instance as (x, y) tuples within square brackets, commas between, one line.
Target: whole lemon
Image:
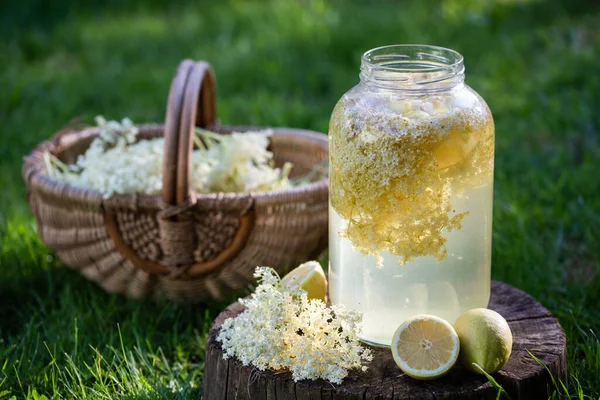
[(485, 339)]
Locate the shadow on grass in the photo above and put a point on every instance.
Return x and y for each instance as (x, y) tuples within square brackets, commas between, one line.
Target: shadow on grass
[(18, 296), (58, 327), (63, 291)]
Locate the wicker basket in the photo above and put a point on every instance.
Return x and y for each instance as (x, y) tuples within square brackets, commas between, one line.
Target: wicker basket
[(181, 245)]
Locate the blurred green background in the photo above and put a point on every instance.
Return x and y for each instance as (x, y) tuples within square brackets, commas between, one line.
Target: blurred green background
[(286, 63)]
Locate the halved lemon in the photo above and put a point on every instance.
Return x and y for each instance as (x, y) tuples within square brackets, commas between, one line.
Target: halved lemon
[(425, 346), (311, 277)]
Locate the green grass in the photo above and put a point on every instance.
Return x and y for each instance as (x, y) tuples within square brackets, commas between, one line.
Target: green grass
[(537, 63)]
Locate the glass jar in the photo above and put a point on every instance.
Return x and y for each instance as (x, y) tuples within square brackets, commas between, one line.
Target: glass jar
[(411, 166)]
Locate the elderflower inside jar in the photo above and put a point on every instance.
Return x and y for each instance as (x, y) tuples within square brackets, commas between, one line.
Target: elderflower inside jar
[(411, 187)]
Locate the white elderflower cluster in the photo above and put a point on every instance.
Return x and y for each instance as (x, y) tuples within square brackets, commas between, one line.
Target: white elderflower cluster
[(240, 162), (282, 329), (116, 162)]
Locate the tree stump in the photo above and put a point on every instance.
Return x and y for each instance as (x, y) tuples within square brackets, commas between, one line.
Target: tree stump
[(533, 327)]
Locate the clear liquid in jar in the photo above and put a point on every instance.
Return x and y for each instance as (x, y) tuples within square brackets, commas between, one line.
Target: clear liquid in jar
[(380, 285), (387, 296)]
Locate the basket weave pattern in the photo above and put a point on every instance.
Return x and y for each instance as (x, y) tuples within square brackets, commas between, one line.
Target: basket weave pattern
[(181, 245)]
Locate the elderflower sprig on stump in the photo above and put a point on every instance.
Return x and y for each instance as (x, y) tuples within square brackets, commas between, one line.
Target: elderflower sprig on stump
[(281, 329)]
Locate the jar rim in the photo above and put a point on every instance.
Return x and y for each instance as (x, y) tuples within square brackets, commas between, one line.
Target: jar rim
[(431, 57), (412, 67)]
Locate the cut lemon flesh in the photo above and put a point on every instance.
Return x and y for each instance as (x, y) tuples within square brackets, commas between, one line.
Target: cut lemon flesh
[(425, 346), (311, 277), (454, 148)]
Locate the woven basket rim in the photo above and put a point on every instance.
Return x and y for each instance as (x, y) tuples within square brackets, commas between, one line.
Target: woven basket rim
[(34, 175)]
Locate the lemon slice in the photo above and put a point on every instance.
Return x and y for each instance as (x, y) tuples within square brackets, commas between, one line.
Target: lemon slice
[(425, 346), (454, 148), (311, 277)]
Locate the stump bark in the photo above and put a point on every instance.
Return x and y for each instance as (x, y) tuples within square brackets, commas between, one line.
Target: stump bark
[(534, 331)]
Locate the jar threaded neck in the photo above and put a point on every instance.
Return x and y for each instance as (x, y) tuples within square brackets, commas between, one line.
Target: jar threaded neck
[(413, 68)]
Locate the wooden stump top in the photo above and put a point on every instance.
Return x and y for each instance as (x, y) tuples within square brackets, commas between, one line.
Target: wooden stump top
[(533, 328)]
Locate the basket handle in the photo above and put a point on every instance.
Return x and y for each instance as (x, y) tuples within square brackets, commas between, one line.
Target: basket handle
[(191, 103)]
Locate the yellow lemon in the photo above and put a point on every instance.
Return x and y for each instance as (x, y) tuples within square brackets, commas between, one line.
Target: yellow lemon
[(485, 339), (454, 148), (311, 277), (425, 346)]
